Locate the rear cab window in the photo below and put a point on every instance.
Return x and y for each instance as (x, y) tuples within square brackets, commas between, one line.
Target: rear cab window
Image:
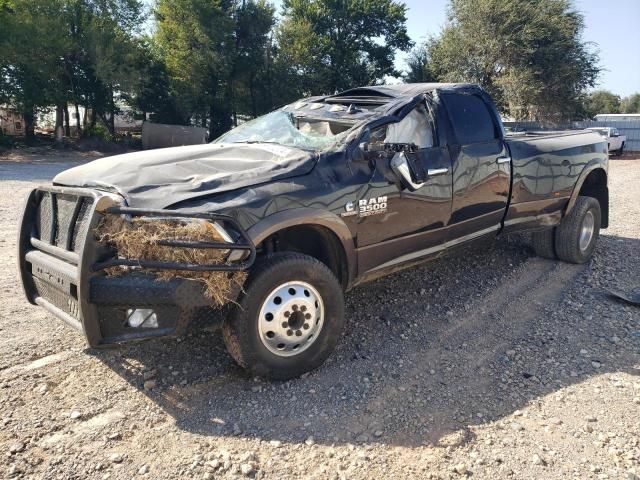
[(471, 118)]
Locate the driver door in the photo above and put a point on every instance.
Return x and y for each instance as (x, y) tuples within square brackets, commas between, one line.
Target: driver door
[(413, 223)]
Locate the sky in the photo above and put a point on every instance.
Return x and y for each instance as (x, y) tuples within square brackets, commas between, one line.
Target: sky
[(614, 25)]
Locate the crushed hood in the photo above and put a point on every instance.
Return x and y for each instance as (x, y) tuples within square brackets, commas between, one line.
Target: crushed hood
[(160, 178)]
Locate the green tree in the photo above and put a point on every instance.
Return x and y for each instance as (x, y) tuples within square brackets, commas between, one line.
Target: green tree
[(194, 37), (602, 101), (55, 52), (216, 54), (418, 66), (529, 54), (251, 73), (330, 45), (101, 63), (631, 104), (151, 91), (30, 53)]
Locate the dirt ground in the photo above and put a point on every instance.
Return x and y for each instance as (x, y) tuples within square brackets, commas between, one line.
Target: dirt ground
[(490, 364)]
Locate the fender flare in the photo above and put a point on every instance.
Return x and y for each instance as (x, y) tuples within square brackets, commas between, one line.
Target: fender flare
[(309, 216), (591, 167)]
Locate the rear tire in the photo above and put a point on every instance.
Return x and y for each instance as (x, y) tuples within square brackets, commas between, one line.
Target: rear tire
[(577, 235), (543, 243), (621, 151), (289, 318)]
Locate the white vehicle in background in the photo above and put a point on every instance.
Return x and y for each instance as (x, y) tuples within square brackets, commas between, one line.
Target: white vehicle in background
[(614, 139)]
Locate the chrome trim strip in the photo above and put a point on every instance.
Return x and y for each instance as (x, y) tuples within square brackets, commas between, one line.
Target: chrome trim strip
[(427, 251)]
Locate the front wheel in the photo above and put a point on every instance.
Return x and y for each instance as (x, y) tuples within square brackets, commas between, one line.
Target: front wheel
[(289, 318)]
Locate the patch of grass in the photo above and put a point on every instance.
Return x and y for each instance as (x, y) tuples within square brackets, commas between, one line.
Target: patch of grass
[(139, 238)]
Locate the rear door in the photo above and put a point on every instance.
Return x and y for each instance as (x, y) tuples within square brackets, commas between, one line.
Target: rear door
[(481, 166)]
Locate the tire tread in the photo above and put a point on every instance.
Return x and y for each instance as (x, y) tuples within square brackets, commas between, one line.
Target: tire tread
[(543, 243)]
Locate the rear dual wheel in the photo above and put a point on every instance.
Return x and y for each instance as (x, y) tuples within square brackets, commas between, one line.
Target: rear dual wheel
[(574, 240), (289, 318)]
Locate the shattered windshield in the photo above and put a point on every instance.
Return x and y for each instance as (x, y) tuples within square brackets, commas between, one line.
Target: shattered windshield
[(283, 128)]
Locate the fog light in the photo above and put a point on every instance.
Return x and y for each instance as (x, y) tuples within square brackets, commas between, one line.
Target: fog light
[(142, 317)]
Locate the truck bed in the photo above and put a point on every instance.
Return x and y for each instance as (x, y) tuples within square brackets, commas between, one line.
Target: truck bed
[(546, 167)]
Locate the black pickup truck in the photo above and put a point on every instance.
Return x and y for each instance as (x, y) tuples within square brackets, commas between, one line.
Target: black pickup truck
[(312, 200)]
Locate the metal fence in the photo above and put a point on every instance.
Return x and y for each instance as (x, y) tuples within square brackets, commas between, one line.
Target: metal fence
[(629, 128)]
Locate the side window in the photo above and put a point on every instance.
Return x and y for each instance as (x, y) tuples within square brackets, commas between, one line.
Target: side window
[(471, 118), (414, 128)]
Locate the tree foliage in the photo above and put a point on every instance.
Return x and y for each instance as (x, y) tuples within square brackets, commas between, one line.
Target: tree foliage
[(602, 101), (217, 62), (631, 104), (418, 66), (529, 54), (30, 76), (335, 44), (215, 51), (55, 52)]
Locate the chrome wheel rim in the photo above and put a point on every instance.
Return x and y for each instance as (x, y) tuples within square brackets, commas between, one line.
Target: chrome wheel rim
[(291, 319), (586, 232)]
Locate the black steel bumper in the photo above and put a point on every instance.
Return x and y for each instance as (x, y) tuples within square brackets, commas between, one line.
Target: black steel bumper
[(62, 264)]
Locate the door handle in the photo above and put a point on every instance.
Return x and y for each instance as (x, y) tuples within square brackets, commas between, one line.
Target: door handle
[(501, 160), (433, 172)]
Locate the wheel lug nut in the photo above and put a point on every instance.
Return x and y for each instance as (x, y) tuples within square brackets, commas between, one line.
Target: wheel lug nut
[(294, 308), (287, 313), (307, 316), (289, 332), (285, 324), (303, 308), (306, 326), (298, 333)]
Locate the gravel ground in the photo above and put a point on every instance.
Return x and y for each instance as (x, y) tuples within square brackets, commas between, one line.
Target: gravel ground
[(491, 363)]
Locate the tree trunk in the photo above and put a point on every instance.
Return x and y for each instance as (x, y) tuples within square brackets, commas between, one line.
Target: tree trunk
[(59, 129), (112, 118), (112, 124), (94, 117), (252, 92), (212, 120), (67, 127), (29, 124), (78, 120)]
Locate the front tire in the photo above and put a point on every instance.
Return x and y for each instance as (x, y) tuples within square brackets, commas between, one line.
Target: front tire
[(289, 318), (577, 235)]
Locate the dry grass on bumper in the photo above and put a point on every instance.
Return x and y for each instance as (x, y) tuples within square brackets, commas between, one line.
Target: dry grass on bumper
[(139, 238)]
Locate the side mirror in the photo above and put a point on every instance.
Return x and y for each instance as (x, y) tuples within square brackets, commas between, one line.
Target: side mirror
[(411, 174)]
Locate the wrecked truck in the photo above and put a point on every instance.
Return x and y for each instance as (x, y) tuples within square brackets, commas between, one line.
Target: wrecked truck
[(304, 204)]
